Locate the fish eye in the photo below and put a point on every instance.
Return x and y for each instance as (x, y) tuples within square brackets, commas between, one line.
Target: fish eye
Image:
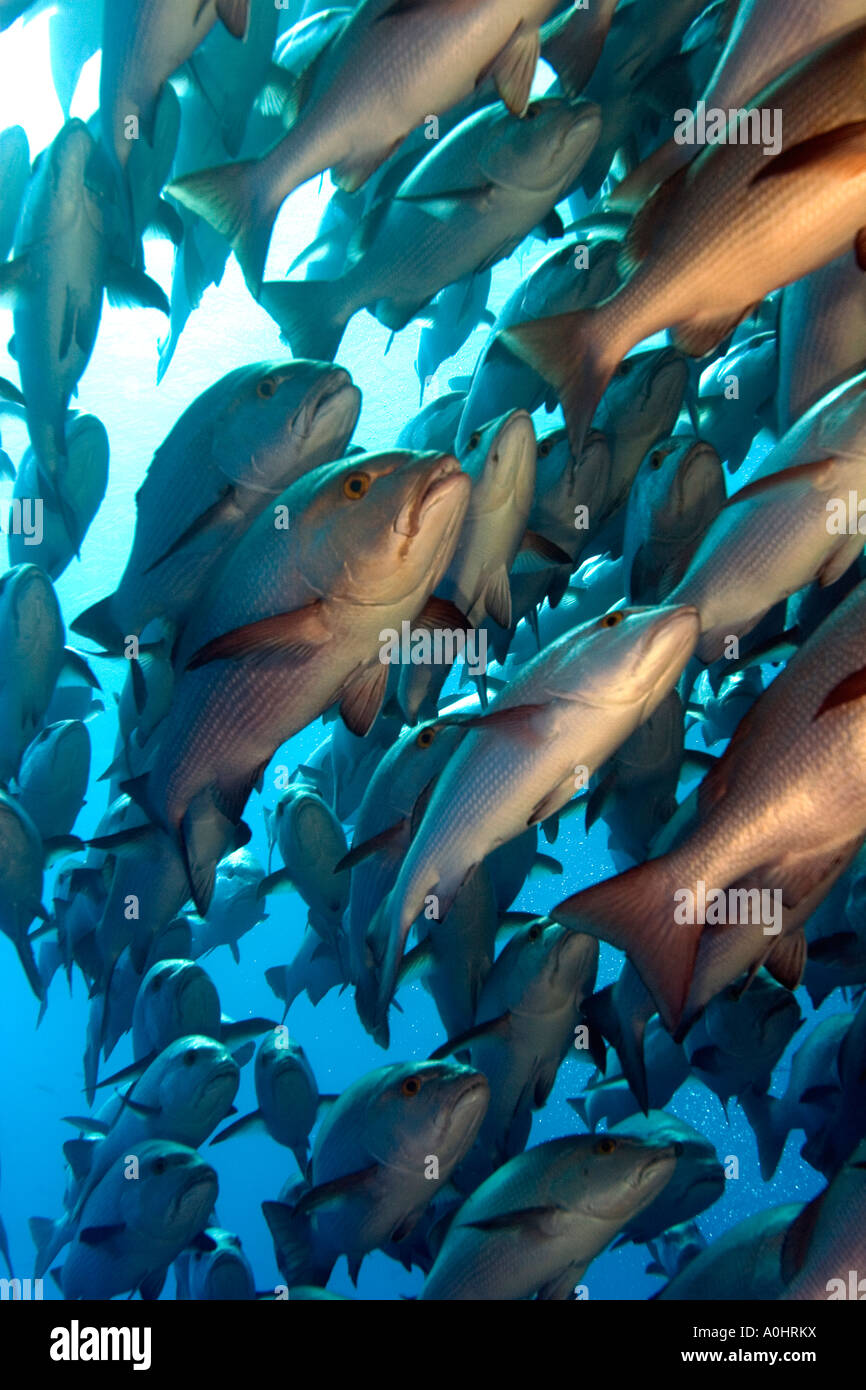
[(657, 459), (266, 388), (612, 619), (411, 1086), (544, 448), (189, 1057), (157, 982), (159, 1165), (535, 931), (425, 738), (605, 1146), (357, 485), (624, 368), (532, 111), (474, 440)]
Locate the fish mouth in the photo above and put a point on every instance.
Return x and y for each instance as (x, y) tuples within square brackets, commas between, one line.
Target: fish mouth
[(475, 1090), (337, 392), (661, 1157), (443, 479), (203, 1177), (671, 640)]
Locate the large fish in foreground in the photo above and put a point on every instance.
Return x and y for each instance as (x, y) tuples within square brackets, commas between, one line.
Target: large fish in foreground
[(384, 73), (560, 717), (531, 1229), (295, 626), (759, 823), (724, 232)]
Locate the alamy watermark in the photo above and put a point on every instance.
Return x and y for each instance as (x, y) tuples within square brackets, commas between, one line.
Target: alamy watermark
[(719, 907), (711, 125), (442, 646)]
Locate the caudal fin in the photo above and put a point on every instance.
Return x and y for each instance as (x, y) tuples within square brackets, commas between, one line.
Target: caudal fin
[(634, 911), (308, 315), (565, 350), (234, 199), (763, 1113), (49, 1237), (31, 969)]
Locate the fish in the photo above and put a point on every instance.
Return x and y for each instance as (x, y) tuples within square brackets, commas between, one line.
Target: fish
[(828, 306), (541, 728), (52, 780), (364, 99), (225, 462), (287, 1094), (744, 1262), (725, 849), (476, 195), (455, 314), (677, 493), (697, 273), (64, 259), (15, 173), (312, 844), (311, 637), (21, 880), (222, 1273), (532, 1229), (85, 481), (697, 1181), (381, 1153), (825, 1241), (235, 908), (131, 1232)]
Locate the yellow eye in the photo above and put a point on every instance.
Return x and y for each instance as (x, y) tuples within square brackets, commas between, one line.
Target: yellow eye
[(411, 1086), (425, 738), (266, 388), (612, 619), (357, 485), (605, 1146)]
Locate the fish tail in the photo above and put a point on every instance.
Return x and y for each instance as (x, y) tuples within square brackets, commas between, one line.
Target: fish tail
[(232, 199), (99, 625), (762, 1113), (293, 1243), (634, 911), (569, 353), (309, 315)]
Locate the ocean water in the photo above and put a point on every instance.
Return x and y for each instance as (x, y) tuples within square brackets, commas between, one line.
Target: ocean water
[(41, 1068)]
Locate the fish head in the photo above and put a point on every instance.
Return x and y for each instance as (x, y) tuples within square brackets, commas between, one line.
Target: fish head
[(501, 461), (645, 393), (542, 966), (631, 657), (176, 998), (416, 1109), (282, 1069), (69, 158), (30, 619), (542, 150), (200, 1081), (176, 1191), (610, 1177), (280, 419), (380, 529)]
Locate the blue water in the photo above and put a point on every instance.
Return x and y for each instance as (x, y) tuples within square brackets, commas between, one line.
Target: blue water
[(43, 1078)]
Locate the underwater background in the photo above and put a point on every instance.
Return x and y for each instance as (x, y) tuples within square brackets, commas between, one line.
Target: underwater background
[(42, 1069)]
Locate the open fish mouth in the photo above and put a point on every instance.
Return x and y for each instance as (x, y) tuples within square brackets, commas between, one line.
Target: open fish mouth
[(338, 393), (437, 486)]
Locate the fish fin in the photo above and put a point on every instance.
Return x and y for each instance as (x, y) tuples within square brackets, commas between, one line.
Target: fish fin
[(97, 624), (395, 839), (513, 70), (416, 962), (31, 970), (551, 804), (14, 277), (224, 509), (362, 698), (852, 688), (499, 1027), (128, 288), (441, 612), (542, 550), (798, 1238), (514, 718), (98, 1235), (293, 1240), (821, 474), (198, 856), (598, 798), (244, 1054), (545, 1220), (545, 864), (352, 173), (651, 217), (850, 137), (235, 15), (497, 597), (763, 1113), (578, 1105), (79, 1155), (280, 881), (152, 1284), (166, 222), (229, 199), (309, 315), (254, 1120), (787, 960), (662, 952), (327, 1192), (859, 249), (562, 350), (699, 337), (295, 634), (840, 561)]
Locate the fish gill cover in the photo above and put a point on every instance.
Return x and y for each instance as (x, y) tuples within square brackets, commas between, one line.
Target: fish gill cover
[(432, 649)]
